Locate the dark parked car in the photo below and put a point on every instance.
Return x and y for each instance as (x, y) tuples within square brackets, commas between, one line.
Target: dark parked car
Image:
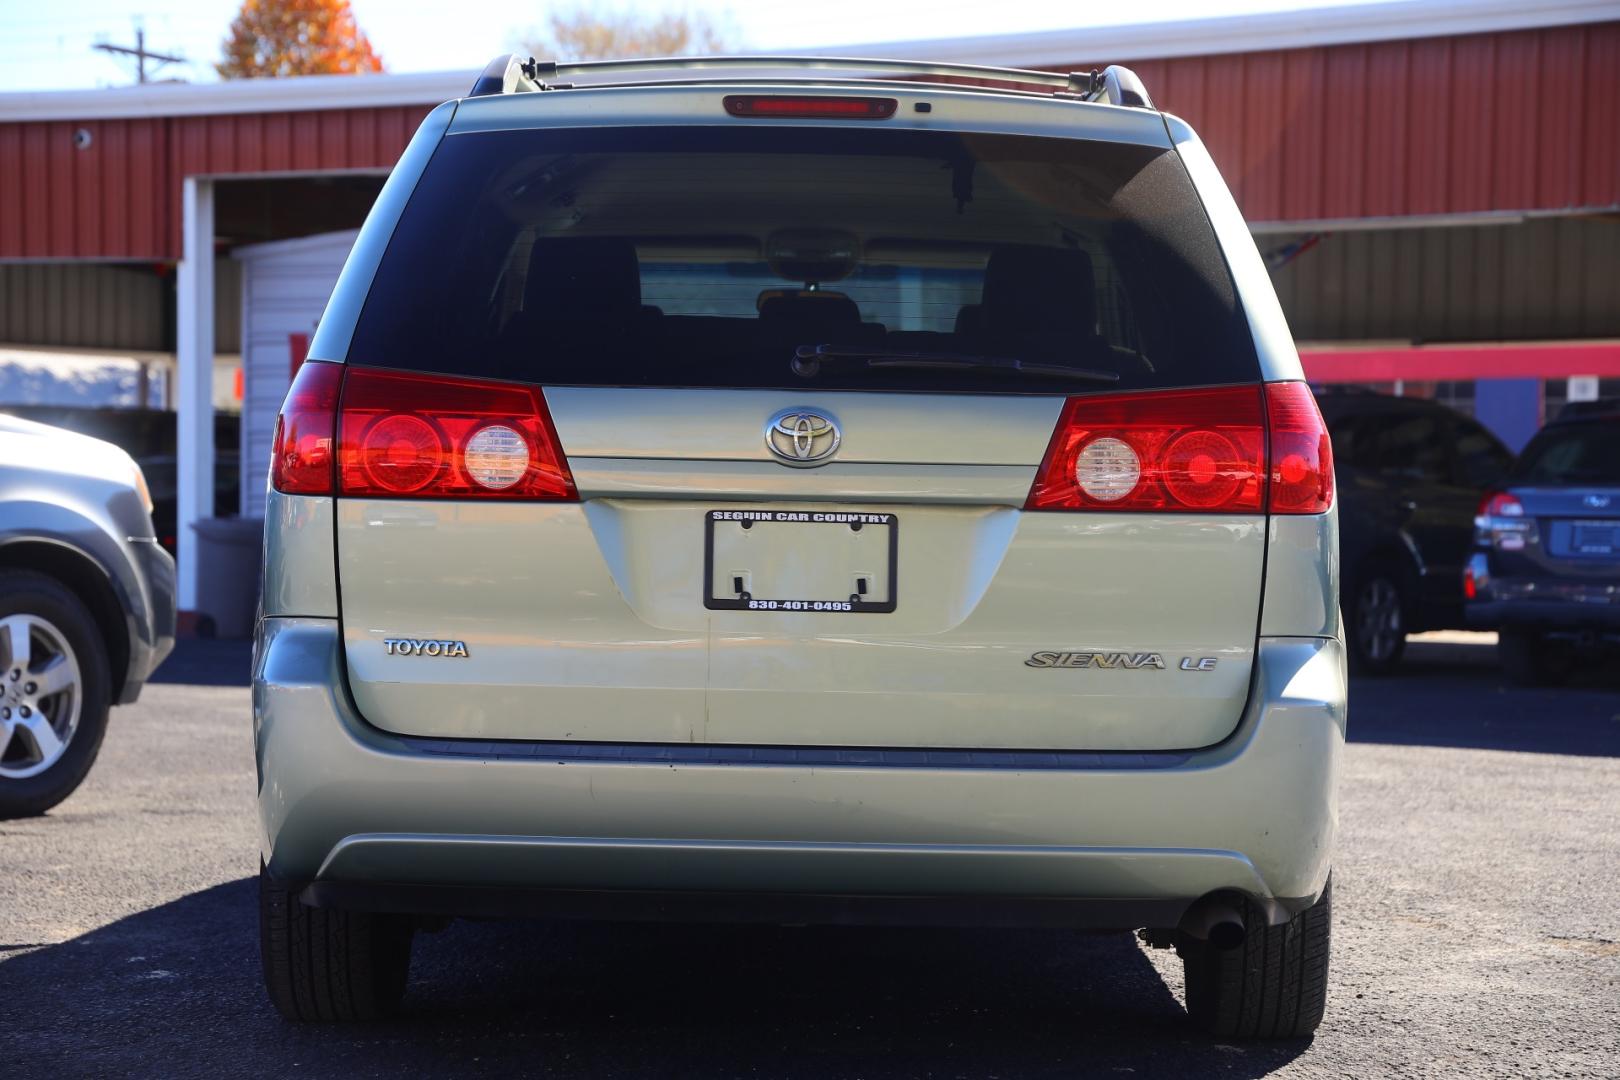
[(1411, 476), (1546, 569)]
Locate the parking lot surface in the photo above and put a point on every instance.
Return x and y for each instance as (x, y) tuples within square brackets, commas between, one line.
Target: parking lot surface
[(1478, 931)]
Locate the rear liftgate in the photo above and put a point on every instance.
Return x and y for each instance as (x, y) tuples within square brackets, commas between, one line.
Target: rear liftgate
[(1112, 605)]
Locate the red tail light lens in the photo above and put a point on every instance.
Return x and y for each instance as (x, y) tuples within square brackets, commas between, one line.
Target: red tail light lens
[(1500, 504), (399, 454), (1301, 451), (1194, 451), (301, 456), (811, 108), (430, 436), (1189, 451)]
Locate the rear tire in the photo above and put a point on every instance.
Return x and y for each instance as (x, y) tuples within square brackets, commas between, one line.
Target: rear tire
[(1273, 986), (325, 965), (40, 767), (1530, 659), (1376, 621)]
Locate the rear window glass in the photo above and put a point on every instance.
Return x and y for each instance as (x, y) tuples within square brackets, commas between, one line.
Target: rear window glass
[(1576, 454), (806, 257)]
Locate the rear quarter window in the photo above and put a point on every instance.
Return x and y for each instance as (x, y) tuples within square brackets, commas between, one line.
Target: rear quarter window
[(713, 256), (1571, 455)]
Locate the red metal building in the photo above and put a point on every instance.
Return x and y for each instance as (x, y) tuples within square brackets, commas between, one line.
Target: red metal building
[(1507, 122)]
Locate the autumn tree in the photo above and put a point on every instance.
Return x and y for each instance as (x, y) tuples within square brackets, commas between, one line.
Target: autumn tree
[(586, 33), (271, 38)]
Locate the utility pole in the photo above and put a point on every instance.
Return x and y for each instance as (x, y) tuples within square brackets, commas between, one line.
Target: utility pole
[(141, 54)]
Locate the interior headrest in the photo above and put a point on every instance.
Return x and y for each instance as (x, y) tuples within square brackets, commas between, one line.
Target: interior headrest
[(1039, 290), (583, 278), (811, 311)]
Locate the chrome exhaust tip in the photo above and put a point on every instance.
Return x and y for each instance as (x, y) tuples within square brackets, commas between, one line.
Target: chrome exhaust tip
[(1216, 921)]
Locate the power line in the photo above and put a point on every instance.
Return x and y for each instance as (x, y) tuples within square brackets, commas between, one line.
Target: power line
[(141, 54)]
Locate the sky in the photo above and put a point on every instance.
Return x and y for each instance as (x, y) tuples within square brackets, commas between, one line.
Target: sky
[(47, 44)]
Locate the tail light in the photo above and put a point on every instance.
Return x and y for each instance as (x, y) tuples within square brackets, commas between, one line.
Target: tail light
[(1301, 451), (1189, 451), (1500, 523), (399, 434), (301, 455), (1500, 504)]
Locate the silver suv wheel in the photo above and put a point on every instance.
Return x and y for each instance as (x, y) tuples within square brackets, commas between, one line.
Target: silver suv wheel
[(40, 695)]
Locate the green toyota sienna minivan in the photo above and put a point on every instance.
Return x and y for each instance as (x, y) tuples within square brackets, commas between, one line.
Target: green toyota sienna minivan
[(802, 491)]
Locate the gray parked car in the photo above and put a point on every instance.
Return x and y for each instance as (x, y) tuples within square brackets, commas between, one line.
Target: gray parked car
[(86, 605), (803, 498)]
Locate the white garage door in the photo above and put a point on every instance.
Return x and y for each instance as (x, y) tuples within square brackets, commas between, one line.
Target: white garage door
[(285, 285)]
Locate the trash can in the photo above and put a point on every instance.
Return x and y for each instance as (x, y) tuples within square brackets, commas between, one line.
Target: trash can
[(229, 561)]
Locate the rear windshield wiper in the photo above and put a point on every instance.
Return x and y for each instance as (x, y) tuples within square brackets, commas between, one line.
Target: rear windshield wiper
[(808, 360)]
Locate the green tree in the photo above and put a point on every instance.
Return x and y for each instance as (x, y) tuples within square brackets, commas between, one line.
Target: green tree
[(271, 38)]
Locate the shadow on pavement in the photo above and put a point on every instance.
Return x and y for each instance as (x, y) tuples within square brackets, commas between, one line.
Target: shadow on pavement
[(207, 662), (1454, 693), (176, 989)]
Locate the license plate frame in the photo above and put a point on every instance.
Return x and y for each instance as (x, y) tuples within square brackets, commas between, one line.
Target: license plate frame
[(811, 519), (1610, 530)]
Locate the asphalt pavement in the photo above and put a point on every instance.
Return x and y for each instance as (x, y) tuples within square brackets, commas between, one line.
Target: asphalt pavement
[(1477, 931)]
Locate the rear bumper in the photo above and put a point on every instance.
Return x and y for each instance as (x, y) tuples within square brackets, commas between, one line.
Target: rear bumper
[(774, 908), (1550, 604), (1126, 838), (1543, 615), (152, 631)]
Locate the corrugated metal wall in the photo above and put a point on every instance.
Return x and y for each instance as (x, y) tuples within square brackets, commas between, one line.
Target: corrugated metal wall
[(1521, 120), (113, 200), (1526, 120), (120, 197), (82, 304), (96, 306), (1550, 278)]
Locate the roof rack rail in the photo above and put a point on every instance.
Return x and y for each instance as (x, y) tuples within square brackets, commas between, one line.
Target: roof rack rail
[(1121, 86), (511, 74), (515, 74)]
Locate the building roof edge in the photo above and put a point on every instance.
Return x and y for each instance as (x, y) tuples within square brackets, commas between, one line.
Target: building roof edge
[(1262, 32)]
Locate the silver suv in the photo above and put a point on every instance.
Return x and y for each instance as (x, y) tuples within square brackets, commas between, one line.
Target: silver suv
[(802, 491), (87, 605)]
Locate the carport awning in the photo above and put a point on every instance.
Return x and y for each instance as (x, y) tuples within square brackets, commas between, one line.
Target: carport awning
[(1504, 360)]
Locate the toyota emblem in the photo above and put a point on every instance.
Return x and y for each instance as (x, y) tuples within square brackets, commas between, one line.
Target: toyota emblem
[(802, 438)]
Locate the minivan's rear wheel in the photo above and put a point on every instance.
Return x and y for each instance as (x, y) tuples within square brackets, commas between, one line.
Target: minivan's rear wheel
[(54, 692), (1377, 622), (324, 965), (1272, 986)]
